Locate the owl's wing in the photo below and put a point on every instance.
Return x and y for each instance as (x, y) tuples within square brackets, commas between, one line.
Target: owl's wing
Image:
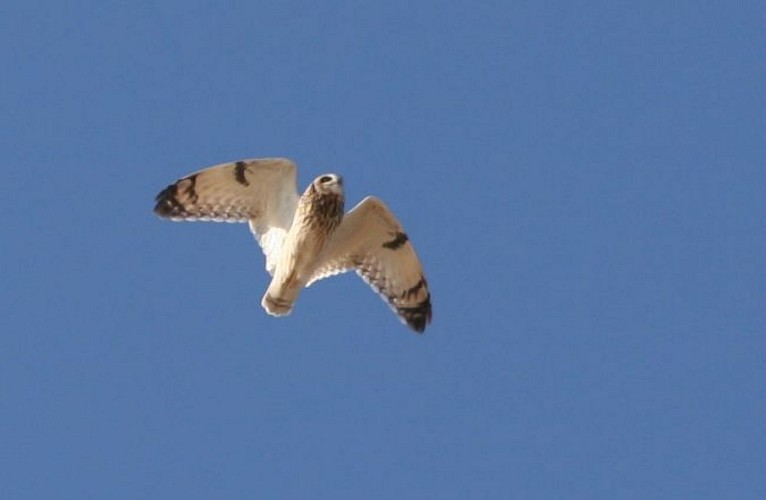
[(371, 241), (261, 192)]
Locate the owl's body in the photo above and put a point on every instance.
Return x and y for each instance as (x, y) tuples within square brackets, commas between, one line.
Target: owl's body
[(318, 215), (306, 238)]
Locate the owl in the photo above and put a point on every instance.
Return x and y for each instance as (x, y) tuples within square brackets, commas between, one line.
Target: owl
[(307, 237)]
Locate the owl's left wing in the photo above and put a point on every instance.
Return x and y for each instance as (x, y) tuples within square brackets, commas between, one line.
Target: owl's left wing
[(371, 241), (258, 191)]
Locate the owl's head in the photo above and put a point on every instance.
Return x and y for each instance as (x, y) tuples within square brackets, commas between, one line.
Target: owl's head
[(329, 184)]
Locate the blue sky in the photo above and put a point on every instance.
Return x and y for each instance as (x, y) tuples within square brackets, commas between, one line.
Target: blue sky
[(584, 183)]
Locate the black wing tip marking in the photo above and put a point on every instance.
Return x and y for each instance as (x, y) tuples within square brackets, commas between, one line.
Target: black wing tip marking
[(399, 240), (168, 204), (417, 317)]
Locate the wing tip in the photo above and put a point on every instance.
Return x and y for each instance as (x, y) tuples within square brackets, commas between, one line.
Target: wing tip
[(167, 204), (417, 317)]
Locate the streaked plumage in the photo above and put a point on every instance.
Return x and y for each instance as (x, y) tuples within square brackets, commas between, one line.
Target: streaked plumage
[(306, 238)]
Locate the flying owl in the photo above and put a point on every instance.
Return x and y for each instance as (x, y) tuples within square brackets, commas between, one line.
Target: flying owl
[(306, 238)]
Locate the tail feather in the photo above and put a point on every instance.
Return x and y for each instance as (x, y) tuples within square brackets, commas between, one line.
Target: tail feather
[(276, 306), (281, 295)]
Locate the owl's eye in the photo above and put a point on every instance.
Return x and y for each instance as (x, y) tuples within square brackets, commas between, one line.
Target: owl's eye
[(325, 178)]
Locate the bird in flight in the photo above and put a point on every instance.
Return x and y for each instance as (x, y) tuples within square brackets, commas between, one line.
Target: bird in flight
[(306, 238)]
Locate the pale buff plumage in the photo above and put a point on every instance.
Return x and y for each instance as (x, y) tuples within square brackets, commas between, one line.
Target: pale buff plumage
[(306, 238)]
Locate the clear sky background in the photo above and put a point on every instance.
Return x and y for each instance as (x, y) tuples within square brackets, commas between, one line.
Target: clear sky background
[(584, 183)]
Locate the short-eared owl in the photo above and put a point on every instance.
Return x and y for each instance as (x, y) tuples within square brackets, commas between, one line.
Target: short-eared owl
[(306, 238)]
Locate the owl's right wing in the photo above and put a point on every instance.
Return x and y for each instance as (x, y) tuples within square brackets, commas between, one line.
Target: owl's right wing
[(261, 192), (371, 241)]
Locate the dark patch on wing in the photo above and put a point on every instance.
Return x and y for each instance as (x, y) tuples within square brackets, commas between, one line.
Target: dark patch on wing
[(168, 204), (414, 290), (399, 240), (417, 317), (191, 189), (239, 173)]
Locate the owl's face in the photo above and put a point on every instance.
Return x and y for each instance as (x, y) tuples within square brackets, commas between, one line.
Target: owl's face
[(329, 184)]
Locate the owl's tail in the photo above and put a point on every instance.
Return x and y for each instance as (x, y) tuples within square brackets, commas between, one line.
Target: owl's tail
[(276, 306), (280, 297)]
